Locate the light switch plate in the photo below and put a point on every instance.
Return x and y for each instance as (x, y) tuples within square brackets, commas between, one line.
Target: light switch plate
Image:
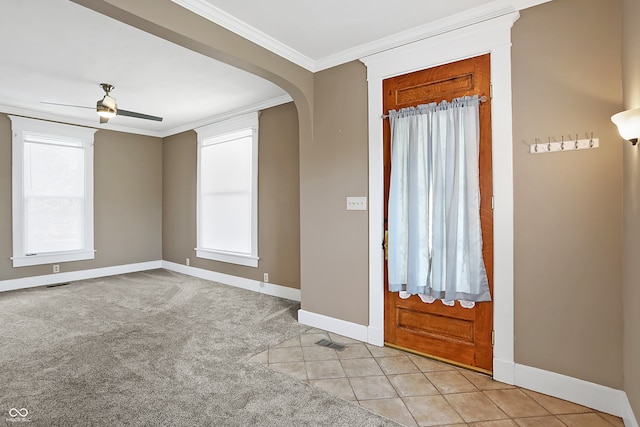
[(356, 203)]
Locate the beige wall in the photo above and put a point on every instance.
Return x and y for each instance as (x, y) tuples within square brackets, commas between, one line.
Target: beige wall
[(568, 295), (127, 203), (631, 271), (278, 201), (334, 249)]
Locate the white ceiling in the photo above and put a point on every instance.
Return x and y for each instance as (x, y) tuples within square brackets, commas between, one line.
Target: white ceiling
[(56, 51)]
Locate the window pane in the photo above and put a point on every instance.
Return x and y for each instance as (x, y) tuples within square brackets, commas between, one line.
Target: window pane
[(226, 222), (53, 224), (226, 167), (52, 170), (225, 186), (54, 198)]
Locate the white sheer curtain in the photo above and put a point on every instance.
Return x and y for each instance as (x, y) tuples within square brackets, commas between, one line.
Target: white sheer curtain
[(435, 240)]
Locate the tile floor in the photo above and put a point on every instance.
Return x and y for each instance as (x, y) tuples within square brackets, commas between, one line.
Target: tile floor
[(417, 391)]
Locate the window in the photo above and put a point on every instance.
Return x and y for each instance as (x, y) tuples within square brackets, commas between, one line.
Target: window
[(52, 192), (227, 212)]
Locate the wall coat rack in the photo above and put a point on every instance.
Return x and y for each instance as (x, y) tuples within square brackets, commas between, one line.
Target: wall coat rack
[(553, 145)]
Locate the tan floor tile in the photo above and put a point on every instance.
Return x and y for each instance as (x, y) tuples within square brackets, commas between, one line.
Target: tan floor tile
[(549, 421), (294, 369), (616, 421), (291, 342), (318, 353), (262, 358), (285, 354), (554, 405), (397, 365), (584, 420), (367, 388), (482, 381), (324, 369), (384, 351), (314, 331), (337, 386), (354, 351), (432, 411), (408, 385), (515, 403), (343, 340), (496, 423), (429, 365), (309, 340), (361, 367), (475, 407), (450, 382), (393, 409)]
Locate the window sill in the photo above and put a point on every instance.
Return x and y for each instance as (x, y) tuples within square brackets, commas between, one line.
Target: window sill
[(51, 258), (232, 258)]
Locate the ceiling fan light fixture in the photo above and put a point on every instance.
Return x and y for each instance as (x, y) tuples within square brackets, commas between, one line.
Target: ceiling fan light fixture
[(109, 102), (105, 111), (106, 107)]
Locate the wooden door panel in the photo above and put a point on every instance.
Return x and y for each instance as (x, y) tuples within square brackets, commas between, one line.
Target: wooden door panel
[(431, 90), (454, 328), (462, 336)]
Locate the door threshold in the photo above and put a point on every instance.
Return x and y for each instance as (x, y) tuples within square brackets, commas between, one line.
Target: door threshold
[(441, 359)]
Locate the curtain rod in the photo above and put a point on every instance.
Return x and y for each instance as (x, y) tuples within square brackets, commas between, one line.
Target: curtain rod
[(481, 99)]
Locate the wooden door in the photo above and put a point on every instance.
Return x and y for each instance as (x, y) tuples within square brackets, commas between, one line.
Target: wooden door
[(455, 334)]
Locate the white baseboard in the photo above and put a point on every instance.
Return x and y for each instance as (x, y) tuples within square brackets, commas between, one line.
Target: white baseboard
[(70, 276), (375, 336), (337, 326), (504, 371), (599, 397), (238, 282)]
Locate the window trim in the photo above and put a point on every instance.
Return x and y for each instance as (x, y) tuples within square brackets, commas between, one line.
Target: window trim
[(239, 123), (21, 128)]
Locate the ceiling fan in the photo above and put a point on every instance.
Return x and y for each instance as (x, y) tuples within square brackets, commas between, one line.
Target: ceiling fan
[(107, 108)]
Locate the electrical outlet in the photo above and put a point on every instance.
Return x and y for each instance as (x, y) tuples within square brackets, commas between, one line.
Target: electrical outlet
[(56, 268), (188, 262), (266, 278)]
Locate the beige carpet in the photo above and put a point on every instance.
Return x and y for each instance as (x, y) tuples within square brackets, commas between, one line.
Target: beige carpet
[(155, 348)]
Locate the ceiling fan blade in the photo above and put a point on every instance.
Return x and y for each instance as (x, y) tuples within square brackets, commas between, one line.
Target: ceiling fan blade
[(127, 113), (67, 105)]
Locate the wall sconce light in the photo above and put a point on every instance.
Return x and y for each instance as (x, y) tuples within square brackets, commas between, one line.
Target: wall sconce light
[(628, 123)]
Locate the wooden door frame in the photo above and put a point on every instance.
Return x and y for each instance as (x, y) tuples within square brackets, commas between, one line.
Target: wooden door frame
[(492, 36)]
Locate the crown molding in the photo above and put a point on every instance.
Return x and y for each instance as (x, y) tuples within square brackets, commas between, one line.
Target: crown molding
[(431, 29), (460, 20), (233, 24)]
